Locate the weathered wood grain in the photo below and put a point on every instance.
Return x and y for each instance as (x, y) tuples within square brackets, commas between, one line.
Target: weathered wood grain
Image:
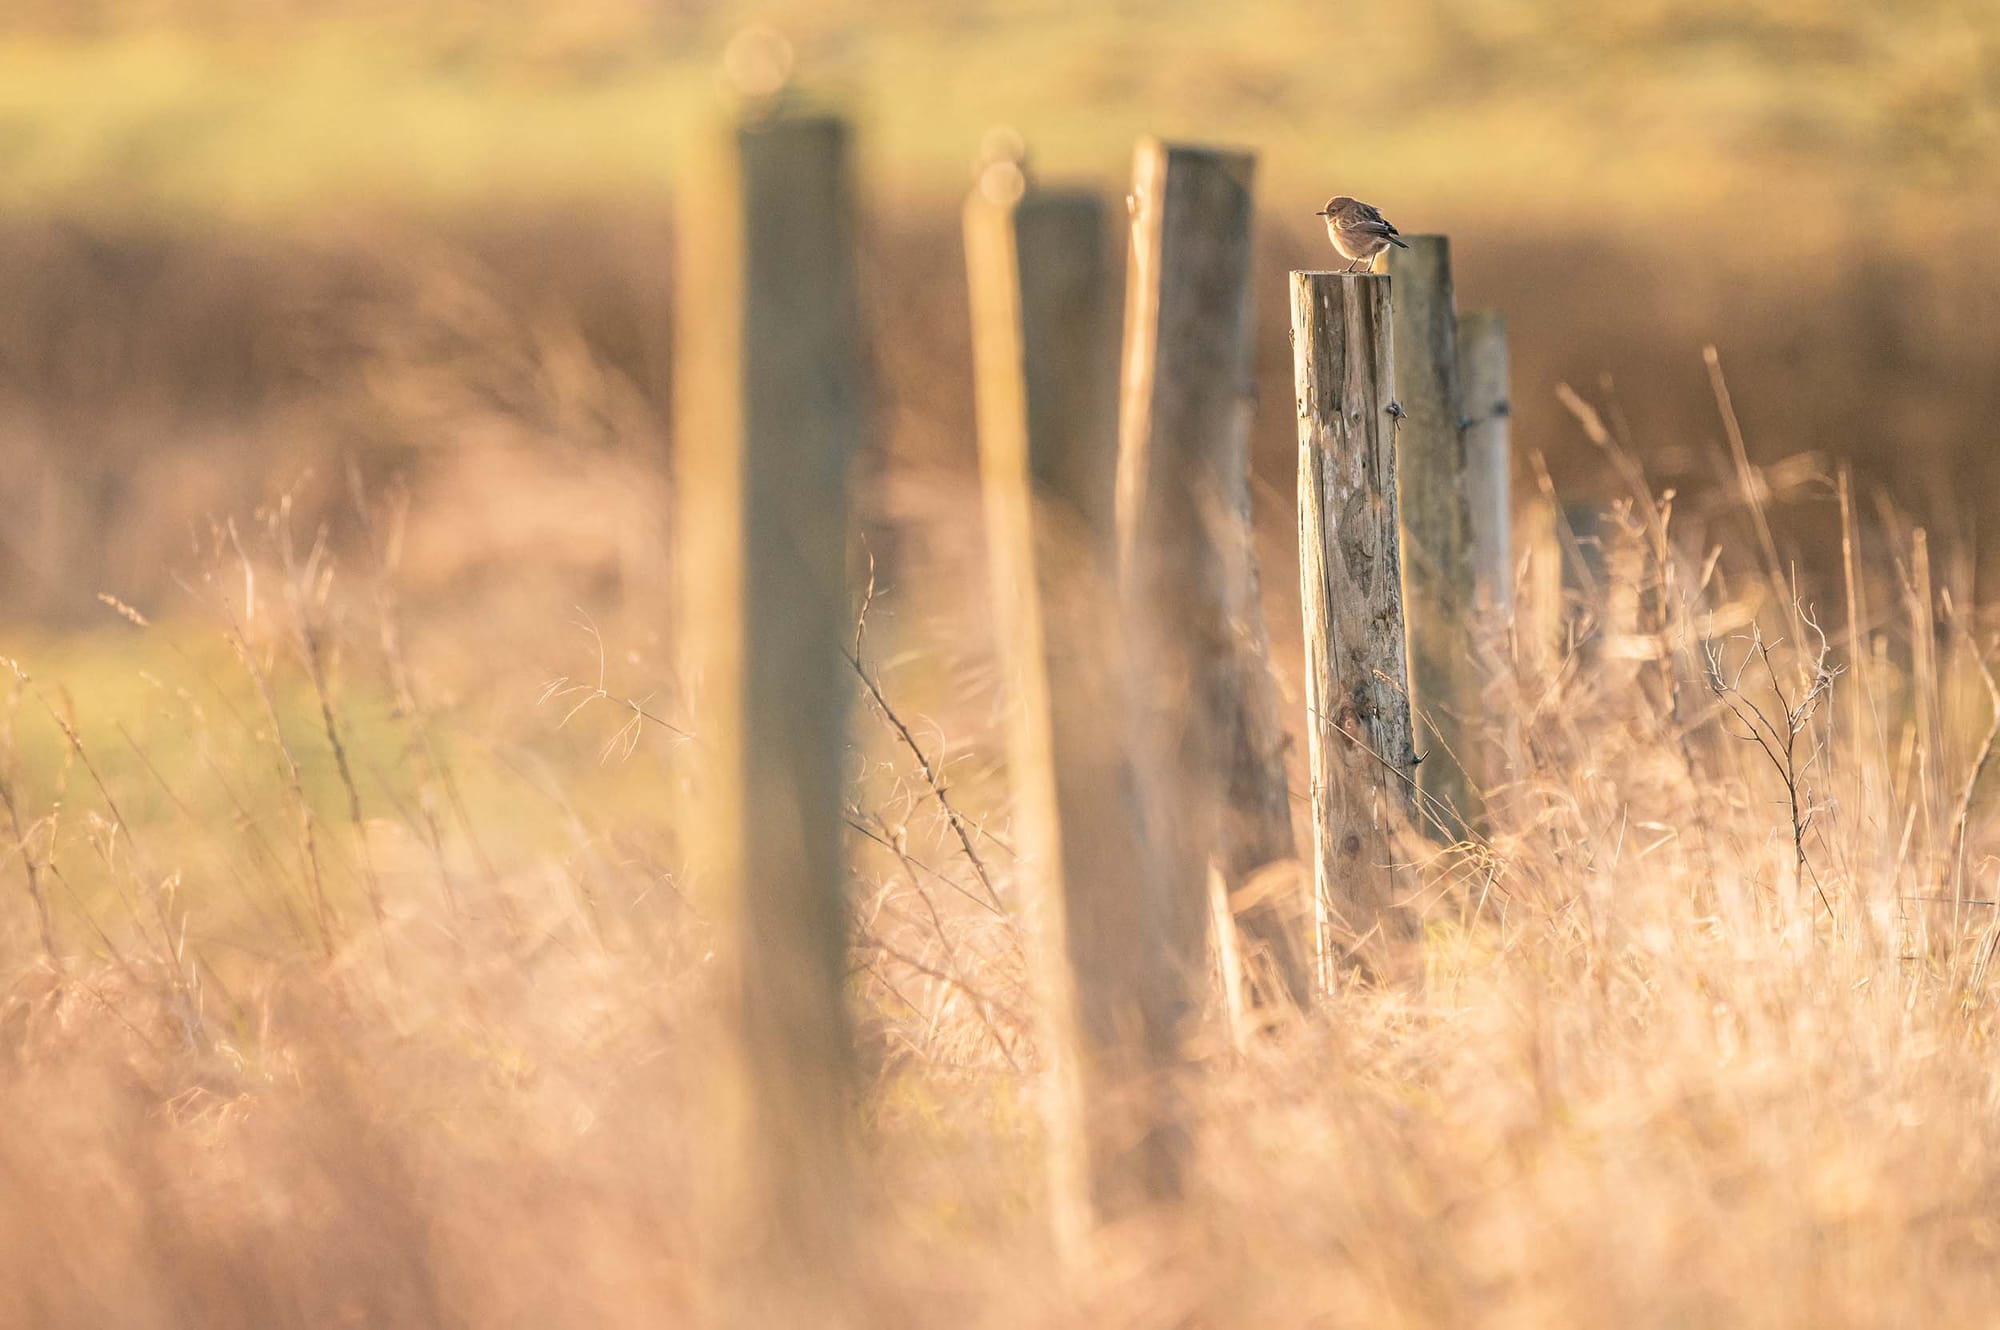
[(1214, 740), (1360, 749), (1437, 536), (1489, 460)]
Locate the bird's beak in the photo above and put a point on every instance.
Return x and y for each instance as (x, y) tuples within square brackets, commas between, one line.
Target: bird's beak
[(1322, 213)]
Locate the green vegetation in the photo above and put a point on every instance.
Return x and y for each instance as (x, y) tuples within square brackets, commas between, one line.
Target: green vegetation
[(1523, 106), (350, 971)]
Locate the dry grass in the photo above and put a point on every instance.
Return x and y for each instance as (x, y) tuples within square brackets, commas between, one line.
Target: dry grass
[(347, 975), (153, 374), (349, 972), (362, 992)]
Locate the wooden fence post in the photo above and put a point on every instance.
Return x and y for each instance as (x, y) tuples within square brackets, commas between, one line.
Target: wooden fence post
[(770, 388), (1489, 461), (1583, 571), (1437, 536), (1489, 493), (1351, 589), (1586, 577), (1042, 293), (1210, 736), (1539, 621)]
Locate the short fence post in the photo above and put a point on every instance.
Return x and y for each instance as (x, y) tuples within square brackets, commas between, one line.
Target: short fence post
[(1042, 293), (1489, 493), (1437, 535), (1351, 589), (1586, 577), (1210, 734), (1489, 462), (1539, 621), (769, 387)]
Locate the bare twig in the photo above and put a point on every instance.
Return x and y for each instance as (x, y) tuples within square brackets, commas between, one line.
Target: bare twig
[(563, 687), (1777, 733), (961, 827)]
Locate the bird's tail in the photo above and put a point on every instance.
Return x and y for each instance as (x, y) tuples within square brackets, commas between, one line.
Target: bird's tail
[(1397, 243)]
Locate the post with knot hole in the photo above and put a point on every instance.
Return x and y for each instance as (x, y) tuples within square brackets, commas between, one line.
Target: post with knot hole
[(1489, 457), (1360, 753), (1438, 555)]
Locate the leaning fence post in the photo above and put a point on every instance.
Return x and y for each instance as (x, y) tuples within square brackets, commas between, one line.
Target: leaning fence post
[(769, 384), (1042, 291), (1489, 462), (1437, 534), (1210, 732), (1351, 589)]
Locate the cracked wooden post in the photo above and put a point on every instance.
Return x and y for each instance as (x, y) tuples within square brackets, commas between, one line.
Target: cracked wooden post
[(770, 386), (1351, 589), (1437, 537), (1212, 739), (1044, 341)]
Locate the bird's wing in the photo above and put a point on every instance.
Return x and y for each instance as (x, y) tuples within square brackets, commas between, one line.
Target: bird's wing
[(1367, 219), (1381, 223)]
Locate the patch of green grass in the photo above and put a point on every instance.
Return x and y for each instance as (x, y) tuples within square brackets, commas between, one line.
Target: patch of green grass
[(1525, 105)]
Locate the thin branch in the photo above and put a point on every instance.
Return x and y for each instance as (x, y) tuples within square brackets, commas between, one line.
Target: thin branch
[(960, 826)]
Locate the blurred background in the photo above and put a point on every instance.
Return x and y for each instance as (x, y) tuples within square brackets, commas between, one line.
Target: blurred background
[(349, 949), (250, 247)]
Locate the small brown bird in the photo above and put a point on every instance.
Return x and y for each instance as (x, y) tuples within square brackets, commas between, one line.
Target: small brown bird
[(1358, 230)]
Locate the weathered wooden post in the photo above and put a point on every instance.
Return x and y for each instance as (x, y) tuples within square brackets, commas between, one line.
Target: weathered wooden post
[(1043, 293), (1489, 461), (1538, 616), (770, 391), (1586, 576), (1211, 742), (1438, 575), (1540, 621), (1489, 493), (1351, 589)]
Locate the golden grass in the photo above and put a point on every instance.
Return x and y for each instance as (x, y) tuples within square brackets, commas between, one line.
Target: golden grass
[(274, 1063), (286, 1065)]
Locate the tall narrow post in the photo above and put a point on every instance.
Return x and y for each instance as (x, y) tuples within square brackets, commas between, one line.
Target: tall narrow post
[(1042, 292), (1489, 461), (1351, 589), (1211, 740), (1489, 493), (1437, 535), (770, 390)]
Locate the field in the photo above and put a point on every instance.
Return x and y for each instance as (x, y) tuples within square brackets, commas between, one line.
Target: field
[(348, 969)]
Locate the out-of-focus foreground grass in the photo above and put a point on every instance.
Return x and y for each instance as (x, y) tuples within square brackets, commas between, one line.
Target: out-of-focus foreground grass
[(351, 976), (348, 963)]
